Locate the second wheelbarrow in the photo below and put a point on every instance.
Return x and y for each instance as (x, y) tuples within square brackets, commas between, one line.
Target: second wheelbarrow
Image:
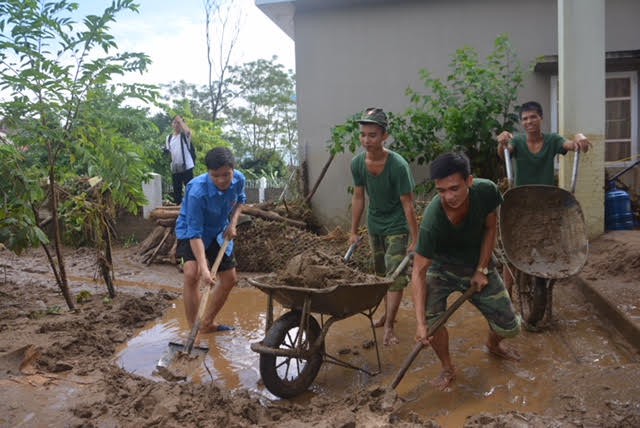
[(544, 236), (293, 348)]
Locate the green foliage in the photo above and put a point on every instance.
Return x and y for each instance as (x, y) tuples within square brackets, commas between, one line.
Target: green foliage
[(188, 99), (346, 136), (86, 214), (264, 115), (18, 189), (462, 112), (51, 67), (84, 296), (263, 163)]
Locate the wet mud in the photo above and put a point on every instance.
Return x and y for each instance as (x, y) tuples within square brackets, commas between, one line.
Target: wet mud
[(60, 368), (317, 269), (543, 231)]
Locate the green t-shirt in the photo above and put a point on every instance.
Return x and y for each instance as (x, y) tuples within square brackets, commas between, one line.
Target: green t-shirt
[(536, 168), (385, 215), (443, 242)]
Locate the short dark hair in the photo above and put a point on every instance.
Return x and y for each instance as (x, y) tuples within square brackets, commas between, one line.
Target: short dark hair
[(531, 106), (450, 163), (219, 157)]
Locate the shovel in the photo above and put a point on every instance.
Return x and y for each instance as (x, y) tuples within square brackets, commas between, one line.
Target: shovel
[(351, 250), (188, 348), (443, 319)]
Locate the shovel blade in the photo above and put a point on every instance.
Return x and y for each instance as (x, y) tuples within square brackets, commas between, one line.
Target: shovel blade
[(175, 349)]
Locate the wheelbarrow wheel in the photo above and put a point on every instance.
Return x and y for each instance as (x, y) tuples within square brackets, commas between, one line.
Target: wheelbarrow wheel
[(288, 377), (532, 293)]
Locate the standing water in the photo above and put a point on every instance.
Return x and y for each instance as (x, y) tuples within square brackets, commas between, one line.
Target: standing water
[(483, 384)]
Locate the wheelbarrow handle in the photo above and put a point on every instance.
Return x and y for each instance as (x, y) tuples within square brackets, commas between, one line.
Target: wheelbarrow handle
[(401, 266), (574, 174), (419, 346), (507, 164)]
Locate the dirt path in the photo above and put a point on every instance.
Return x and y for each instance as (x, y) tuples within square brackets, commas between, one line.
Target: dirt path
[(70, 378)]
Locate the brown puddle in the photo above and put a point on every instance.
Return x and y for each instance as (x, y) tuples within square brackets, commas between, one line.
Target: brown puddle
[(483, 384)]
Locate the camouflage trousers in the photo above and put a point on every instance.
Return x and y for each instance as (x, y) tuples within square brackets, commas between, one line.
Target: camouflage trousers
[(493, 301), (388, 251)]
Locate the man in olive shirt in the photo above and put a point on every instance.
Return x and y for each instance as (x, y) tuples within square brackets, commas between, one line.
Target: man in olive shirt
[(457, 236), (534, 153), (391, 219)]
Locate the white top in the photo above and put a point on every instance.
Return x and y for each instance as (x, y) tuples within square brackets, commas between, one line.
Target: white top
[(173, 144)]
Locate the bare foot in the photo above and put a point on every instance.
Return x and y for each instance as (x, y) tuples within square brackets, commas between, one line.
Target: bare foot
[(443, 381), (381, 321), (390, 337), (505, 352)]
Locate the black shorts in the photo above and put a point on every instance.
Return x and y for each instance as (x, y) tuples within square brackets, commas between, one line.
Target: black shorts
[(185, 254)]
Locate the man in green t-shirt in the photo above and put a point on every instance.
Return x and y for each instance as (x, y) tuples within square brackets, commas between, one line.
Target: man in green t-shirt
[(534, 153), (391, 219), (457, 236)]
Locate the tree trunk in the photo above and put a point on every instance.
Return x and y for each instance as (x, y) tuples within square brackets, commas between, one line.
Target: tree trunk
[(62, 283), (152, 240), (270, 215)]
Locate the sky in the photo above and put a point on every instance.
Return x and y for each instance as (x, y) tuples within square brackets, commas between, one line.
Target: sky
[(172, 33)]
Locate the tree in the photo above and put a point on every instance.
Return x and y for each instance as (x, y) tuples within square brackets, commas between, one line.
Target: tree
[(183, 97), (222, 31), (49, 68), (464, 111), (264, 163), (265, 116)]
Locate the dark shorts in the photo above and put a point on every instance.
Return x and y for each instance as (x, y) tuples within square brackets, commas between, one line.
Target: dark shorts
[(388, 251), (493, 301), (185, 254)]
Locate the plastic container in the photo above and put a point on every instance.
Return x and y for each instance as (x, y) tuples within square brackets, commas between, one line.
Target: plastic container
[(617, 210)]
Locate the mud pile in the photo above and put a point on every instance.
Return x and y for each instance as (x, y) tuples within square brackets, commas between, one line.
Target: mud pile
[(613, 257), (267, 246), (316, 269)]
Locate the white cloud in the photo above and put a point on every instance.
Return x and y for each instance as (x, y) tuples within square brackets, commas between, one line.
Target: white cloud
[(177, 45)]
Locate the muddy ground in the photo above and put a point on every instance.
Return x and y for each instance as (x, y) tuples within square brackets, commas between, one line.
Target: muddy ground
[(46, 351)]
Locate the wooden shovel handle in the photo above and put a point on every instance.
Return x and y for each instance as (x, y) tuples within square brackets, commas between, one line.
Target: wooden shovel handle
[(443, 319), (203, 303), (214, 271)]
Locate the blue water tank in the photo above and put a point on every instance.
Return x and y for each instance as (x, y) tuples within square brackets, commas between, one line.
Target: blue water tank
[(617, 210)]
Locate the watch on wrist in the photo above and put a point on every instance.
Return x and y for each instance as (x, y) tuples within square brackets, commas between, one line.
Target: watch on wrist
[(483, 270)]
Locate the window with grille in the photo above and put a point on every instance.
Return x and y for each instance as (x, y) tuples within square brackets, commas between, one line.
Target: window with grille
[(621, 116)]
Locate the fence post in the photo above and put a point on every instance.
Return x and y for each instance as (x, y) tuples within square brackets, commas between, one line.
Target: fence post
[(261, 188)]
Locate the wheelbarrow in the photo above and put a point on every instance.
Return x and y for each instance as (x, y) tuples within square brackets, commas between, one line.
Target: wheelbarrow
[(293, 349), (544, 237)]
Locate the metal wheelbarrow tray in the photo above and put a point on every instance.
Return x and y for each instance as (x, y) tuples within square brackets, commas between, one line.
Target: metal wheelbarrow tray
[(544, 236), (543, 231), (293, 348)]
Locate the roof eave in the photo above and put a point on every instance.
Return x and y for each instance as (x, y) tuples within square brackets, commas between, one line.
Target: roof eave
[(281, 12)]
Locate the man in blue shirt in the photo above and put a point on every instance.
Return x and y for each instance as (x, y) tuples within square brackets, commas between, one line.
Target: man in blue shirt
[(210, 212)]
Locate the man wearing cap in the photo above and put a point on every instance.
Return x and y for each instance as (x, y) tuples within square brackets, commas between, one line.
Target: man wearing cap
[(391, 219)]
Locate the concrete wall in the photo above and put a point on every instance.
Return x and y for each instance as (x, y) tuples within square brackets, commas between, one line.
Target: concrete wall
[(271, 194), (349, 58)]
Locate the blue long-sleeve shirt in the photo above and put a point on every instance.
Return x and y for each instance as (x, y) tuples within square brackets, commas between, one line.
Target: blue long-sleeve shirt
[(205, 209)]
